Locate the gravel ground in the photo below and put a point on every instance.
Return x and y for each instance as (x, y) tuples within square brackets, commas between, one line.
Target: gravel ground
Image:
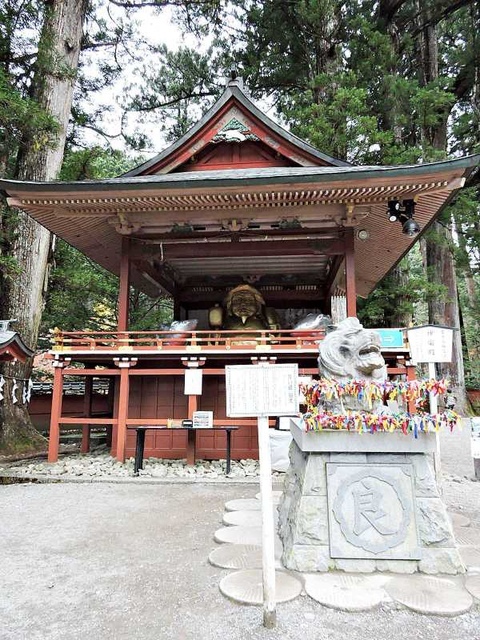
[(129, 560), (118, 561)]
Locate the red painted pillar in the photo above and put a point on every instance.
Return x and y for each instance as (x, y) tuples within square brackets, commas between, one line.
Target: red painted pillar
[(56, 413), (123, 301), (350, 273), (124, 365)]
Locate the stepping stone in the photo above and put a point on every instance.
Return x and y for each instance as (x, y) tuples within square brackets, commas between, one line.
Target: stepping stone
[(239, 535), (430, 595), (243, 504), (459, 520), (243, 518), (237, 556), (247, 586), (468, 537), (472, 584), (245, 535), (276, 495), (470, 557), (345, 592)]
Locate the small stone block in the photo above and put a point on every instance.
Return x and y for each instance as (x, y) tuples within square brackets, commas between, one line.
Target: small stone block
[(236, 556), (276, 495), (247, 586), (345, 592), (308, 558), (239, 535), (245, 535), (243, 504), (433, 523), (430, 595), (355, 566), (243, 518), (441, 560), (397, 566)]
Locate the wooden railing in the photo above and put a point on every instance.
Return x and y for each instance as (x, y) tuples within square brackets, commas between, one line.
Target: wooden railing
[(188, 341)]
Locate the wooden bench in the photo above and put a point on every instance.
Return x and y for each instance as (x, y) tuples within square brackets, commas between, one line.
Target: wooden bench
[(191, 442)]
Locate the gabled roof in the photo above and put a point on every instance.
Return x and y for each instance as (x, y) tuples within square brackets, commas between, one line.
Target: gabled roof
[(212, 223), (235, 105)]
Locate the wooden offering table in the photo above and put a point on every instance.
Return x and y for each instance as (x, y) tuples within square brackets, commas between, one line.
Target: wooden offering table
[(191, 442)]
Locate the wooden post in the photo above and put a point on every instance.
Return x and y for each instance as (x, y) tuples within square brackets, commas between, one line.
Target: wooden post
[(268, 529), (191, 435), (124, 365), (437, 459), (87, 413), (411, 375), (123, 299), (56, 414), (350, 284)]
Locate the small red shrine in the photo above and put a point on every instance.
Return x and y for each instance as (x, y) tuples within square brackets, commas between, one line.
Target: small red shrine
[(236, 201), (12, 347)]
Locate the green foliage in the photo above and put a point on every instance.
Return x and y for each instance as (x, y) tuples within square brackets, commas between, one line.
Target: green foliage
[(178, 88), (96, 163), (21, 117), (401, 297)]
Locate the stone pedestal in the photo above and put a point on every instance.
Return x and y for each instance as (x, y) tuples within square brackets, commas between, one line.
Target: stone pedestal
[(364, 502)]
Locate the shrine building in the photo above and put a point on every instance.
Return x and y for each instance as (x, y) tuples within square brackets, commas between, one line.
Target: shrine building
[(249, 229)]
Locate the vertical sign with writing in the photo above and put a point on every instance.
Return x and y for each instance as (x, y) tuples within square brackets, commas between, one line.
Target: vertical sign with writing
[(261, 390), (264, 390)]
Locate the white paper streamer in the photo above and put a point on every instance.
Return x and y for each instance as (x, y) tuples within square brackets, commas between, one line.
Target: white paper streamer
[(26, 391), (14, 391), (28, 394), (2, 383)]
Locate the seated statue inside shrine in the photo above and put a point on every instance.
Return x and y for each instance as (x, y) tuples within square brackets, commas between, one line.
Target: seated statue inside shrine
[(242, 309)]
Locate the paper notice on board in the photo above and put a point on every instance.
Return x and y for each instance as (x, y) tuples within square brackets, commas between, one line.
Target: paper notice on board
[(262, 390), (193, 382)]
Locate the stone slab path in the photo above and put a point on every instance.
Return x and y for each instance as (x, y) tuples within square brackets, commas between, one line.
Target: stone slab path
[(431, 595)]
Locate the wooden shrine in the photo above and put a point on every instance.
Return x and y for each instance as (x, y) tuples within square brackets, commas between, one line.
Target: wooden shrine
[(236, 201)]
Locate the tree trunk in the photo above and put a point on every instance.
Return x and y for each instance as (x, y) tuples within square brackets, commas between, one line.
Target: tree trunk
[(23, 297), (444, 310)]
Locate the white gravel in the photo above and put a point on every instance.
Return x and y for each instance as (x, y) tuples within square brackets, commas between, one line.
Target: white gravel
[(100, 466)]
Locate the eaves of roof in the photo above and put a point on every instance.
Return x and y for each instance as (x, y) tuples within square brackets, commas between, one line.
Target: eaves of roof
[(246, 177)]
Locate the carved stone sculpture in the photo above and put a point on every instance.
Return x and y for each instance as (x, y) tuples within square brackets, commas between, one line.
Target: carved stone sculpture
[(351, 353)]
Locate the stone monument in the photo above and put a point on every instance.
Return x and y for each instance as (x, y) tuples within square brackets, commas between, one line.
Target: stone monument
[(362, 501)]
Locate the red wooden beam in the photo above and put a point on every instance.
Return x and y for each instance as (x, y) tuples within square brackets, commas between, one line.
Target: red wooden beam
[(252, 248)]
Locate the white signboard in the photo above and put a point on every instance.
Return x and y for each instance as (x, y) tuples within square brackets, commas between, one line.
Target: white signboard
[(202, 419), (261, 390), (430, 343), (193, 382)]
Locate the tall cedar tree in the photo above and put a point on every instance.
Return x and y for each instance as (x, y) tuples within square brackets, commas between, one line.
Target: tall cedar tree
[(22, 295)]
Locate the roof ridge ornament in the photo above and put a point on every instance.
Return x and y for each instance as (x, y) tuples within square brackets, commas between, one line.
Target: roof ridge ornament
[(234, 79)]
